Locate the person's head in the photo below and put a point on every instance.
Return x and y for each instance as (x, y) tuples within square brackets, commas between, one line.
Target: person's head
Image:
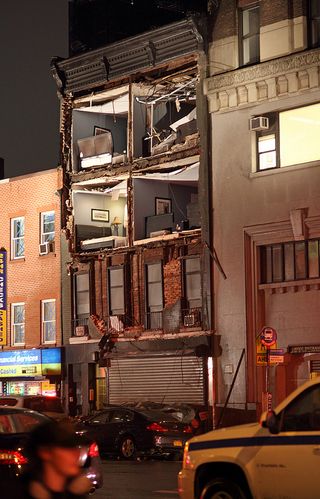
[(55, 445)]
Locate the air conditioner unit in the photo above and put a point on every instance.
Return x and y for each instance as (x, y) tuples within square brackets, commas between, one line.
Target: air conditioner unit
[(259, 123), (81, 331), (45, 248), (189, 320)]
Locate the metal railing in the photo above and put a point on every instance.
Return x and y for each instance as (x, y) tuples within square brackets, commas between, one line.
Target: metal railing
[(154, 320)]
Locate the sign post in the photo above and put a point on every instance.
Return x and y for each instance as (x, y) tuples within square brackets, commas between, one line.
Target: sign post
[(268, 338), (3, 297)]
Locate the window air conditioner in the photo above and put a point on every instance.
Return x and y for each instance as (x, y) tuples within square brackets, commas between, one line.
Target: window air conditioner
[(189, 320), (259, 123), (81, 331), (45, 248)]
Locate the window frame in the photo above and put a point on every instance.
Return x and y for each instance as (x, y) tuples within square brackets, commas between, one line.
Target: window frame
[(110, 269), (42, 233), (243, 37), (184, 276), (13, 324), (75, 295), (43, 302), (159, 262), (13, 238), (296, 400)]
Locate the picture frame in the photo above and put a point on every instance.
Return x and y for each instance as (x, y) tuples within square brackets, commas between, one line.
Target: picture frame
[(98, 215), (163, 206), (98, 130)]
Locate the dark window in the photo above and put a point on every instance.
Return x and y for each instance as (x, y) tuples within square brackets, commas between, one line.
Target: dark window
[(116, 291), (154, 295), (314, 23), (303, 414), (102, 418), (192, 282), (290, 261), (121, 416), (249, 36), (82, 295)]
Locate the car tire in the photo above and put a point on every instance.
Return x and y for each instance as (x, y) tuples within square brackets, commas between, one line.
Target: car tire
[(222, 488), (127, 447)]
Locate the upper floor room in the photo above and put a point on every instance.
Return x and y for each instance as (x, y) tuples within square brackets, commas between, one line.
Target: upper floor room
[(247, 32)]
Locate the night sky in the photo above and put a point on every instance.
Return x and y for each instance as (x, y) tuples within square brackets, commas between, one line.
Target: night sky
[(31, 32)]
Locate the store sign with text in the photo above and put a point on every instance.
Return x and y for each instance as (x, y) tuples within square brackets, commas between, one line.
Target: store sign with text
[(3, 297), (30, 363)]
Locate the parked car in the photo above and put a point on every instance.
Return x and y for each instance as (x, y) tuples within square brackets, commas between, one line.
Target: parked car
[(126, 431), (277, 458), (50, 406), (16, 423)]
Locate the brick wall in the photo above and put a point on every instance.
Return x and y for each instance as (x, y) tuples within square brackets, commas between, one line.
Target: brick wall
[(33, 278), (226, 21)]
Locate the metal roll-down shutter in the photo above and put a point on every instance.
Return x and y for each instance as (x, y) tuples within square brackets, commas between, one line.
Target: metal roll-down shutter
[(164, 379)]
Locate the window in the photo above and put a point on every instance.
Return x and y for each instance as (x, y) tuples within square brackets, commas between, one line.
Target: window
[(82, 295), (314, 23), (303, 414), (281, 144), (250, 36), (116, 291), (121, 416), (192, 282), (290, 261), (17, 238), (18, 323), (48, 314), (154, 295), (47, 226)]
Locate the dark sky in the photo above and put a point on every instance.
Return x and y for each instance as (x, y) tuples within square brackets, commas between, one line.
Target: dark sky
[(31, 33)]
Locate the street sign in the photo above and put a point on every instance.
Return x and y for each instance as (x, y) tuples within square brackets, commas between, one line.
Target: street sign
[(268, 336), (275, 357)]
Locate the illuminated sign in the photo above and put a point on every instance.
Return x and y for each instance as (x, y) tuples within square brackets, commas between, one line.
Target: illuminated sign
[(30, 363), (3, 297)]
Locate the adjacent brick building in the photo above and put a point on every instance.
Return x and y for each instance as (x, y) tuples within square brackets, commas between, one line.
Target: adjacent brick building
[(30, 244)]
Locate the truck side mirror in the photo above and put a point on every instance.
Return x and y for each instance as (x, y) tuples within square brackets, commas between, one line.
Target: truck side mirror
[(271, 421)]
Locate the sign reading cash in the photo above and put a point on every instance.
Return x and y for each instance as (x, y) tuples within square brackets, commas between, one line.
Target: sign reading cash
[(3, 297)]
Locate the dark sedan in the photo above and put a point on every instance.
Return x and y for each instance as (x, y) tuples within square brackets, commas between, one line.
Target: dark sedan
[(126, 432), (15, 424)]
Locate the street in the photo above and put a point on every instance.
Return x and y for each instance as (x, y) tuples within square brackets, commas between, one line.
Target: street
[(139, 480)]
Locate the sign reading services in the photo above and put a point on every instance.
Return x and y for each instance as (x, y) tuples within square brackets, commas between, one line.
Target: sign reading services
[(30, 363), (3, 297)]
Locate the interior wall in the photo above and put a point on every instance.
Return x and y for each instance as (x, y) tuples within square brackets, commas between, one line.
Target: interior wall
[(84, 123), (139, 128), (83, 204), (145, 193)]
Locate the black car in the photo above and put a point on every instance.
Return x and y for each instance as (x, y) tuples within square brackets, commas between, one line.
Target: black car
[(15, 424), (126, 431)]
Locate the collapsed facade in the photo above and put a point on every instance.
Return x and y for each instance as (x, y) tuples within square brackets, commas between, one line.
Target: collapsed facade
[(136, 218)]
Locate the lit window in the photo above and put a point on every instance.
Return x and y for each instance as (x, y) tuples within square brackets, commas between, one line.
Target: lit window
[(48, 313), (250, 36), (314, 23), (267, 152), (17, 238), (47, 226), (18, 323)]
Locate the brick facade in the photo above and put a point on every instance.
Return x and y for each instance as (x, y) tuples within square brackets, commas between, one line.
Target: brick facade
[(34, 277)]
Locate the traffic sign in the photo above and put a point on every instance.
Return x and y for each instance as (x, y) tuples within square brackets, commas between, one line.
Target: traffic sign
[(268, 336)]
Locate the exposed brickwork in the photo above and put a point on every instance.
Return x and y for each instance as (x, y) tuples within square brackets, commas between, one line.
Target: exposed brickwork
[(35, 277), (226, 21), (273, 11), (172, 282)]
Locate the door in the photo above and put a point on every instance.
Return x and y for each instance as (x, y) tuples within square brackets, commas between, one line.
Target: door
[(121, 423), (98, 429), (288, 464)]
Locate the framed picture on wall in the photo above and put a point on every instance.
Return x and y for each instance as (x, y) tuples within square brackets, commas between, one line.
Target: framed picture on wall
[(100, 215), (98, 130), (163, 206)]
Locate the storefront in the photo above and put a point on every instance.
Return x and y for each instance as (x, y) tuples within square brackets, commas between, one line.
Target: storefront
[(31, 372)]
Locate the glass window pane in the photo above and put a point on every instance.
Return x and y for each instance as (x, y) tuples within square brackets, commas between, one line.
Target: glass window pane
[(154, 272), (192, 265), (117, 300), (267, 160), (193, 286), (313, 258), (289, 261), (267, 143), (315, 8), (277, 263), (300, 254), (49, 310), (266, 264), (299, 135), (49, 331), (18, 227), (19, 247), (82, 282), (155, 295), (250, 21), (116, 277), (19, 333)]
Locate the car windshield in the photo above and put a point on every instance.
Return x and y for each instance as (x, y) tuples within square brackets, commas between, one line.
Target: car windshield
[(19, 422)]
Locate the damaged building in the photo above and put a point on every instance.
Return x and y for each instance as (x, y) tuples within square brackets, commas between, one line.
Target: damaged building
[(135, 216)]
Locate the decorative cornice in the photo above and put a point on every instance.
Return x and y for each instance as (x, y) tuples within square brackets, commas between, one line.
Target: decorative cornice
[(263, 81)]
